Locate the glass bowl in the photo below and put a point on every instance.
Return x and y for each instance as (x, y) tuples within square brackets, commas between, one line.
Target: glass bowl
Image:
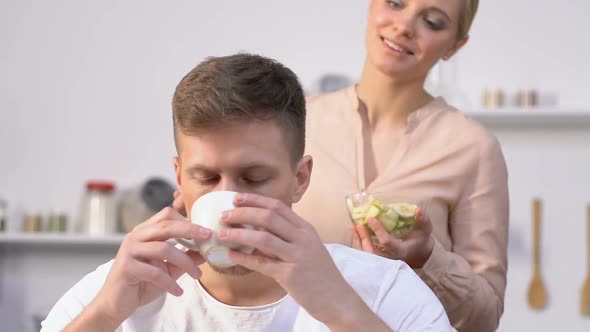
[(396, 214)]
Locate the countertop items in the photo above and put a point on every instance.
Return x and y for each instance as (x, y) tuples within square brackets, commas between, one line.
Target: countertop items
[(57, 222), (493, 98), (142, 202), (32, 223), (522, 99)]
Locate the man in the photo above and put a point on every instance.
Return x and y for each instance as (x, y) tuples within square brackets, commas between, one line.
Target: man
[(239, 124)]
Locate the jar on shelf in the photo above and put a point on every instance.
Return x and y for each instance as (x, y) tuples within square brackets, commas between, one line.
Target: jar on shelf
[(98, 211), (32, 223), (58, 222)]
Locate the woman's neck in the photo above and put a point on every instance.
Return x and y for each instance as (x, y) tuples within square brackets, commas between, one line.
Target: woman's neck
[(388, 101), (252, 289)]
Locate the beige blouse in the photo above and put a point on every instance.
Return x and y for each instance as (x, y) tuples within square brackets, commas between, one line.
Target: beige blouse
[(446, 162)]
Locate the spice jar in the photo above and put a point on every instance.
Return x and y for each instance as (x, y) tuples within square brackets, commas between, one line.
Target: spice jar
[(98, 212), (493, 99), (57, 222), (32, 223), (527, 98)]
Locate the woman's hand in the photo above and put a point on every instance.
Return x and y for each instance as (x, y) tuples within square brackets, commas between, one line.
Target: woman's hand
[(414, 248)]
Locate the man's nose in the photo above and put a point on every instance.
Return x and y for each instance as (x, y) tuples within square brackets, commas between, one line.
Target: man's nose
[(228, 185)]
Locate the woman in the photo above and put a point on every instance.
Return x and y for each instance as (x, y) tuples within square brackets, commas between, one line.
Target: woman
[(387, 135)]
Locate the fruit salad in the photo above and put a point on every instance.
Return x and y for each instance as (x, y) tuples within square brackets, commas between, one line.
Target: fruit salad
[(397, 218)]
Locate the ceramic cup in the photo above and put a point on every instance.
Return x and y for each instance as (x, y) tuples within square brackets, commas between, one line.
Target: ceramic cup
[(206, 212)]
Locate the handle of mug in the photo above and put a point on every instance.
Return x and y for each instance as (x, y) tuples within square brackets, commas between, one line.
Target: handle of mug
[(188, 244)]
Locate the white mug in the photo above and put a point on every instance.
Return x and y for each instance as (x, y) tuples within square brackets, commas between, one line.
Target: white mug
[(206, 212)]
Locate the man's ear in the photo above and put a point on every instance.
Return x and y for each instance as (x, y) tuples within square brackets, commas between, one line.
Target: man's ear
[(456, 47), (302, 177), (177, 169)]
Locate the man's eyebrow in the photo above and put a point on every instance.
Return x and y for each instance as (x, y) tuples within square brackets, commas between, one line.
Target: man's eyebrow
[(257, 165), (245, 167), (199, 168)]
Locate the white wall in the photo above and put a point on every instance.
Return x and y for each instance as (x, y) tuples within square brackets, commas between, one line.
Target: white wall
[(85, 86), (553, 166)]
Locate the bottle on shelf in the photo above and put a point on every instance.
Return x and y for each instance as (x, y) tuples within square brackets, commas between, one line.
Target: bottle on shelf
[(98, 211)]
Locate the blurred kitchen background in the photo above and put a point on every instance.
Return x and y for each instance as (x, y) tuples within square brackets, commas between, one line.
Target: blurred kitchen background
[(85, 92)]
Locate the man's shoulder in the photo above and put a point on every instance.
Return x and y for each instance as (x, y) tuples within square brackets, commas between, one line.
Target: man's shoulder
[(391, 289), (345, 255), (362, 267), (76, 299)]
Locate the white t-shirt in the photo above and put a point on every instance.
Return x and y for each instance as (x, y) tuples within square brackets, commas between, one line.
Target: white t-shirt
[(390, 288)]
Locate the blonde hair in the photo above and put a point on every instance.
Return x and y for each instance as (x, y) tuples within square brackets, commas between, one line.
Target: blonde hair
[(466, 18)]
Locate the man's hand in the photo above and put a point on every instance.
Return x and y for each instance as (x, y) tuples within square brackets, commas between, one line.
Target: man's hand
[(145, 267), (290, 251), (414, 248), (178, 203)]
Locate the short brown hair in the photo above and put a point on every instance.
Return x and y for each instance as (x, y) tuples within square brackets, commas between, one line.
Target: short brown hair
[(241, 87), (467, 16)]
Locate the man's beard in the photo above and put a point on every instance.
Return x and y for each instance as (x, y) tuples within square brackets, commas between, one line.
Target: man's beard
[(236, 270)]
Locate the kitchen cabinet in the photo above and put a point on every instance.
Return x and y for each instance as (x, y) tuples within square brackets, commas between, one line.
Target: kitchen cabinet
[(548, 156), (37, 268)]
